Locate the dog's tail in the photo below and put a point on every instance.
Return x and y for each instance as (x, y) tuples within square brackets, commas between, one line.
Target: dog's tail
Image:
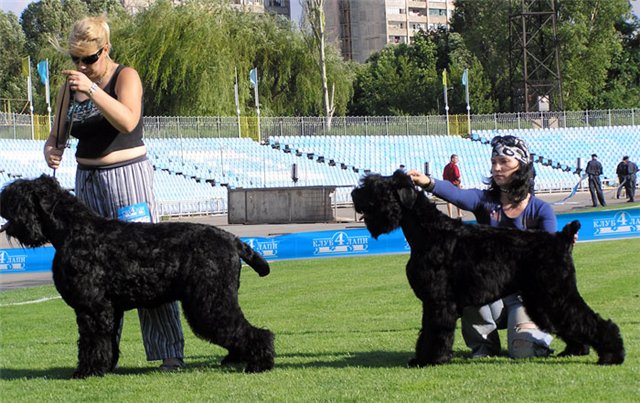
[(252, 258), (569, 231)]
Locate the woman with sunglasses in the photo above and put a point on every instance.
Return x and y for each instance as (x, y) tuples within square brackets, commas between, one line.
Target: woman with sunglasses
[(508, 202), (101, 105)]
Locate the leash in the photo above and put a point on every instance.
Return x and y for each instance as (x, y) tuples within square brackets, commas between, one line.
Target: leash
[(62, 136)]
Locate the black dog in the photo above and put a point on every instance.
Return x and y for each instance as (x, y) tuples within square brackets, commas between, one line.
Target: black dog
[(454, 265), (104, 267)]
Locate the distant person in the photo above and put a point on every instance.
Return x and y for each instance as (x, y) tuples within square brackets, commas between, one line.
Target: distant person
[(630, 178), (621, 172), (594, 170), (451, 173)]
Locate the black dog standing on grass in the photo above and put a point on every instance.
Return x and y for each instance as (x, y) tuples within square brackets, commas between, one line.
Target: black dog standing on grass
[(104, 267), (454, 265)]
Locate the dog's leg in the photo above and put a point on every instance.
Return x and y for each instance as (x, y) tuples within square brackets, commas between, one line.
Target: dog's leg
[(583, 327), (115, 339), (576, 323), (95, 349), (574, 348), (220, 321), (434, 345)]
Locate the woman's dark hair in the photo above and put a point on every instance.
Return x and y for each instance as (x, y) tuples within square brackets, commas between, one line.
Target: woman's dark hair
[(521, 183)]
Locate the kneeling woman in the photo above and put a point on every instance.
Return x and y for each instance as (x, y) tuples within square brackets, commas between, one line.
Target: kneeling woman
[(507, 203)]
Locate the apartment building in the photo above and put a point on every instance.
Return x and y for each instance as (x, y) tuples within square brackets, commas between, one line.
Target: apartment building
[(366, 26)]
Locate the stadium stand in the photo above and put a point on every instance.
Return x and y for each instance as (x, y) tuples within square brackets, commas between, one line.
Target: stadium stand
[(193, 174)]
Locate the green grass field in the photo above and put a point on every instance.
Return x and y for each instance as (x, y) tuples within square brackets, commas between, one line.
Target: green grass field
[(345, 329)]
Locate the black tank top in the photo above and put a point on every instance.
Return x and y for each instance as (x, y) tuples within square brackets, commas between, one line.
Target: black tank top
[(96, 136)]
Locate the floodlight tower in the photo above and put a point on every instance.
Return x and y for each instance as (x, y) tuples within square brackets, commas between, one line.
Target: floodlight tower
[(536, 80)]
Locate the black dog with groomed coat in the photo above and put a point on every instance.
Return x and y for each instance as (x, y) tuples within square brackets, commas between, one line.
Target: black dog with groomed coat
[(454, 265), (103, 267)]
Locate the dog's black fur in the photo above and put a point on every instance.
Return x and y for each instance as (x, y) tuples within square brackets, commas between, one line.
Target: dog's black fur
[(454, 265), (104, 267)]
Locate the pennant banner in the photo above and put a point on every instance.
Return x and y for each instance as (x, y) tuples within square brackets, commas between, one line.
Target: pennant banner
[(43, 70), (25, 66), (253, 77)]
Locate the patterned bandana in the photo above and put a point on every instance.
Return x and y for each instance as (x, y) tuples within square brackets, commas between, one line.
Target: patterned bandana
[(510, 146)]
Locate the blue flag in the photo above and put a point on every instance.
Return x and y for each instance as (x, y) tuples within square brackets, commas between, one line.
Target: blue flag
[(465, 77), (43, 70), (253, 77)]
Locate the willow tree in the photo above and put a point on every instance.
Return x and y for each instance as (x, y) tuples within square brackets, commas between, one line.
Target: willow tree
[(187, 56)]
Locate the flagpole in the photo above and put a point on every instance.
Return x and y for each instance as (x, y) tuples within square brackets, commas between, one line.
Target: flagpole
[(30, 97), (446, 100), (48, 95), (466, 87), (235, 89), (257, 105)]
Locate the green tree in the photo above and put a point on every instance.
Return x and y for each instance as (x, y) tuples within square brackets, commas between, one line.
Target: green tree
[(187, 56), (484, 27), (622, 88), (589, 45), (13, 85), (453, 55)]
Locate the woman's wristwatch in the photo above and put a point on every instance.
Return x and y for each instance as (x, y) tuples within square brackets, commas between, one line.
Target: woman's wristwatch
[(429, 187), (92, 89)]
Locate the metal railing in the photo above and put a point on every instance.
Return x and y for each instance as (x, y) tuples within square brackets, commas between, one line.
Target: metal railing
[(18, 126)]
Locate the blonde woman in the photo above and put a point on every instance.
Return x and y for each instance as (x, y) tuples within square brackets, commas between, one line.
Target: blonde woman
[(101, 105)]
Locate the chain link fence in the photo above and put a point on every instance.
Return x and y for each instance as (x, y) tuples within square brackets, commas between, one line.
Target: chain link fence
[(20, 126)]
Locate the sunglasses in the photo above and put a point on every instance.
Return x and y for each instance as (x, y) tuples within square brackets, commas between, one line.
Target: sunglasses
[(87, 59)]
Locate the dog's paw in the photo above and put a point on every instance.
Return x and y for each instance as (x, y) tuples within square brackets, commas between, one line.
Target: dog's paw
[(253, 368), (575, 350), (611, 359), (82, 374), (231, 359), (414, 363)]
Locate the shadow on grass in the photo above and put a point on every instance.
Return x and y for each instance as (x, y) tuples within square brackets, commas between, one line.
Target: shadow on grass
[(362, 359), (399, 359), (63, 373)]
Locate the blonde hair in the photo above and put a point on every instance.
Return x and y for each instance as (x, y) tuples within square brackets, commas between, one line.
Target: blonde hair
[(89, 34)]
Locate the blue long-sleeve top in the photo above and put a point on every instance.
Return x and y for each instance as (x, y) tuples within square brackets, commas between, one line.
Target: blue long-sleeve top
[(487, 208)]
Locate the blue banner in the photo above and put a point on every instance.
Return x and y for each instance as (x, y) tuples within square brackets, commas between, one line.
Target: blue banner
[(595, 226), (43, 70)]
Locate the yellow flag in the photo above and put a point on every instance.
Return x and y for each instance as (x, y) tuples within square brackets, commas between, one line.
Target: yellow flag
[(25, 66), (444, 78)]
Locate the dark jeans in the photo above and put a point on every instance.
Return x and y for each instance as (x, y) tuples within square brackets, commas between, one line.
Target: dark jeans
[(595, 188)]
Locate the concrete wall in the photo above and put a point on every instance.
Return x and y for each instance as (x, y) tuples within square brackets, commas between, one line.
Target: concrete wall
[(304, 204)]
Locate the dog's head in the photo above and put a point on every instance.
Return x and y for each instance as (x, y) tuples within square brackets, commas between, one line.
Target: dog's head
[(24, 204), (381, 200)]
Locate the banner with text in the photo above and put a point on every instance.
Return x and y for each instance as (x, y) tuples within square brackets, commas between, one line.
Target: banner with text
[(595, 226)]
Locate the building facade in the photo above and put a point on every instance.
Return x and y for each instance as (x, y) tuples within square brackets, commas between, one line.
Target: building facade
[(362, 27)]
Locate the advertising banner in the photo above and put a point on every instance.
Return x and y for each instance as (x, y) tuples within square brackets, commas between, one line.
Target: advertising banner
[(595, 226)]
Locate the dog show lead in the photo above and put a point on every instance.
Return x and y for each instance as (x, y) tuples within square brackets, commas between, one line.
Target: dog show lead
[(113, 176), (507, 203)]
